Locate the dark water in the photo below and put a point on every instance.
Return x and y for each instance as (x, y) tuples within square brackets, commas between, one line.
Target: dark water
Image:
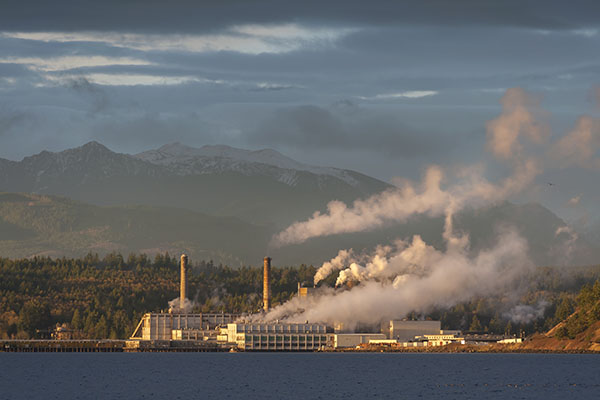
[(292, 375)]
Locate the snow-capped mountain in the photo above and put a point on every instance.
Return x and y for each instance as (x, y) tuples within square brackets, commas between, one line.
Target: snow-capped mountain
[(185, 160), (259, 186)]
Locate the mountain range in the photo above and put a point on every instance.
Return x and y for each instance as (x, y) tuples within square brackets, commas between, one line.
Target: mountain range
[(220, 203), (262, 187)]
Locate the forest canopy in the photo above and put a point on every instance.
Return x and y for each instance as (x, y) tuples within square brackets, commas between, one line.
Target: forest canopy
[(105, 297)]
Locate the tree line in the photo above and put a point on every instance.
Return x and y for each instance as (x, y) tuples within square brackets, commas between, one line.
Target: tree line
[(105, 297)]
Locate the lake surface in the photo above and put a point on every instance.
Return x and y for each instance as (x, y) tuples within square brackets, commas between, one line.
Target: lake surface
[(297, 375)]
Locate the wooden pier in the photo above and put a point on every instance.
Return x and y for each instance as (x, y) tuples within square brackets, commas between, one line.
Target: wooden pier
[(62, 346), (109, 346)]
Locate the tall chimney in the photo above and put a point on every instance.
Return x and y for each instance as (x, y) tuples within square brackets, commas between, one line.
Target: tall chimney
[(267, 284), (183, 287)]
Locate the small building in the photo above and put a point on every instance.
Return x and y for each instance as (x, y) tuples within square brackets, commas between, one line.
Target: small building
[(510, 340), (443, 339), (304, 292), (345, 340), (407, 330)]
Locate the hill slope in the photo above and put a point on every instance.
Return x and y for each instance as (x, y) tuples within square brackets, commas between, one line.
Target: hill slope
[(47, 225), (579, 331), (33, 224)]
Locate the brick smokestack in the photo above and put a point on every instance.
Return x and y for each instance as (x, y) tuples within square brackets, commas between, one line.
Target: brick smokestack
[(183, 287), (267, 284)]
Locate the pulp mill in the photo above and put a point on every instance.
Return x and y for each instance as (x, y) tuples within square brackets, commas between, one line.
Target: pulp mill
[(179, 328)]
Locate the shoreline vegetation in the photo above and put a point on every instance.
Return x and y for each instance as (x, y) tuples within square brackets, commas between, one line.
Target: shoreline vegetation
[(93, 297)]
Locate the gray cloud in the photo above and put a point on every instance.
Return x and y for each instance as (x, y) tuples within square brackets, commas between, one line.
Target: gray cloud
[(345, 125), (191, 16)]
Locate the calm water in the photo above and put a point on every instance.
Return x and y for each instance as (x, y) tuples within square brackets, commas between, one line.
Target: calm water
[(291, 375)]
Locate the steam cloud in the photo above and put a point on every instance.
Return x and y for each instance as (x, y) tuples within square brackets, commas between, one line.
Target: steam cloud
[(578, 147), (414, 276), (175, 305), (411, 275), (524, 314), (519, 117)]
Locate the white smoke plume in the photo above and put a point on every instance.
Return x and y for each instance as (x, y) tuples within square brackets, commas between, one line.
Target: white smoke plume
[(393, 262), (574, 201), (175, 306), (580, 146), (520, 118), (335, 264), (525, 314), (398, 205), (411, 275), (568, 245)]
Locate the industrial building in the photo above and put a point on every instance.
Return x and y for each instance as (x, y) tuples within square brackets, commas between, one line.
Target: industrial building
[(181, 329), (304, 292), (171, 326), (407, 330), (346, 340), (276, 336), (179, 324)]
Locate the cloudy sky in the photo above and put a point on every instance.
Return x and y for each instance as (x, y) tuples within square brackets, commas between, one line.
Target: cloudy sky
[(381, 87)]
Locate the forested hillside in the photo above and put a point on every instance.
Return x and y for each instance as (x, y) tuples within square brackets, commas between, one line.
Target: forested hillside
[(43, 225), (105, 297)]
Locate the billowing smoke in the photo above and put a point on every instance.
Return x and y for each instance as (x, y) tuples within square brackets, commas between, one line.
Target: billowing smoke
[(398, 205), (520, 118), (579, 147), (176, 306), (525, 314), (410, 275), (568, 244), (413, 277), (335, 264)]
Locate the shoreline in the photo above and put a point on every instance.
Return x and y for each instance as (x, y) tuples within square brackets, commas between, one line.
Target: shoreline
[(119, 346)]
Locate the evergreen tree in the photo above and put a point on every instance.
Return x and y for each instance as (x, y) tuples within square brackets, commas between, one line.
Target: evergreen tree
[(508, 329), (475, 325), (76, 321)]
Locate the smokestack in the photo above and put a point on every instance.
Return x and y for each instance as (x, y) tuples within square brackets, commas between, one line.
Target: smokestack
[(183, 287), (267, 284)]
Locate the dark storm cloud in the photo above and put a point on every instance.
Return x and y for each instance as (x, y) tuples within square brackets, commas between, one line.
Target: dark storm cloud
[(345, 126), (212, 15)]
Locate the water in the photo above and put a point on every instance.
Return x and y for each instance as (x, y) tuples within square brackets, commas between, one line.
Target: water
[(294, 375)]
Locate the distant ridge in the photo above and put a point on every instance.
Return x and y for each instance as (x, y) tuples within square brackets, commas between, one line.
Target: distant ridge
[(217, 158), (260, 186)]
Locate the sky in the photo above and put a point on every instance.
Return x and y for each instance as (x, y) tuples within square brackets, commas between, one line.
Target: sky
[(384, 88)]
